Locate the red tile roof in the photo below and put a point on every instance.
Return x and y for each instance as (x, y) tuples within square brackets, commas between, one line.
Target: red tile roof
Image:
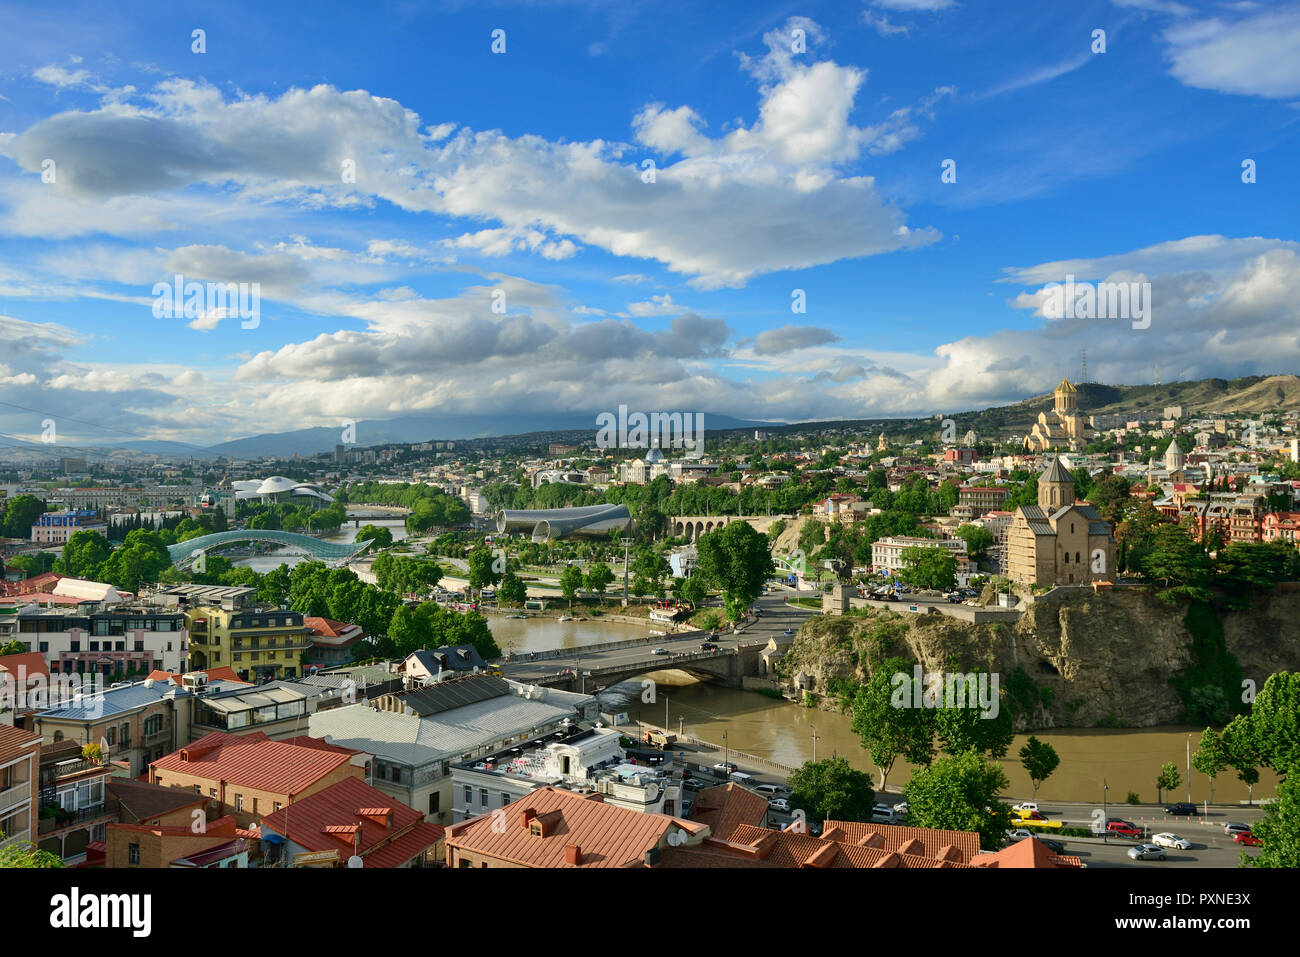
[(727, 806), (32, 661), (253, 761), (223, 673), (606, 836), (330, 819), (14, 743), (1027, 852), (959, 846)]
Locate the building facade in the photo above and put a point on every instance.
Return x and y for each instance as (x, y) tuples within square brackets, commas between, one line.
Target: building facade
[(1057, 541)]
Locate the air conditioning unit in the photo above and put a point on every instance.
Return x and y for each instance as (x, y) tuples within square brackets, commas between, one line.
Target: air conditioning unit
[(194, 680)]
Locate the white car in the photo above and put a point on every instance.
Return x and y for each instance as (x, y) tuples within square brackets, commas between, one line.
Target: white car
[(901, 807), (1025, 806), (779, 804), (1019, 834), (1146, 852), (772, 790), (1171, 840)]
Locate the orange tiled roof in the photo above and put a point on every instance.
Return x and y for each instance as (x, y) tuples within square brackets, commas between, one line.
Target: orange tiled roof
[(957, 846), (223, 673), (727, 806), (32, 661), (606, 836), (15, 742), (253, 761), (1027, 852), (329, 820)]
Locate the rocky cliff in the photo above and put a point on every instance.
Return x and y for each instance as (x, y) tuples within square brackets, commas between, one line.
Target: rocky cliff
[(1101, 658)]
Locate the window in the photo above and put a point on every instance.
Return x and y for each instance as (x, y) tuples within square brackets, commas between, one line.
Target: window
[(434, 802), (133, 854), (239, 802), (469, 794), (111, 737), (58, 735), (277, 806), (212, 792), (505, 798), (482, 796)]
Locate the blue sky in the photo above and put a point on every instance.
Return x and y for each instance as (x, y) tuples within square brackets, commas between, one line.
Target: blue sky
[(796, 147)]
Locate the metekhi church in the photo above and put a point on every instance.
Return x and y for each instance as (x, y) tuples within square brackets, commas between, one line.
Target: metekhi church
[(1058, 541)]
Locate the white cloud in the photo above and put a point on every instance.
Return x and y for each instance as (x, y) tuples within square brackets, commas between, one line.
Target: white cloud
[(1257, 55)]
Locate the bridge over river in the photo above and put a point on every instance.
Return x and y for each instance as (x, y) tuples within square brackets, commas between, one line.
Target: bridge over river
[(595, 667)]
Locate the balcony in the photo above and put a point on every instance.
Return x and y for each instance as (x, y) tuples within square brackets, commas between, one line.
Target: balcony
[(48, 825), (51, 773), (162, 734), (12, 797)]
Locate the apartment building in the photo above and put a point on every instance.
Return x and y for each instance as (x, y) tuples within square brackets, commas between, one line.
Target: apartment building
[(259, 642), (887, 553), (20, 755), (97, 637), (247, 776), (73, 804), (348, 820), (55, 528), (982, 498)]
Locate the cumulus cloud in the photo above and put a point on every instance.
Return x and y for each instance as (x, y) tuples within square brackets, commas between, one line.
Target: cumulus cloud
[(786, 338), (764, 197), (1255, 55)]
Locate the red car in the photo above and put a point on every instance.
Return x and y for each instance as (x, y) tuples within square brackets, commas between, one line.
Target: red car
[(1245, 837), (1123, 829)]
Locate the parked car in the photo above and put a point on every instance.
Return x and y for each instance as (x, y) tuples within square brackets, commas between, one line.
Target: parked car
[(1025, 806), (884, 814), (1019, 834), (779, 804), (1247, 838), (1182, 809), (662, 651), (1146, 852), (901, 807), (1235, 827), (725, 767), (1056, 847), (1167, 839), (772, 790)]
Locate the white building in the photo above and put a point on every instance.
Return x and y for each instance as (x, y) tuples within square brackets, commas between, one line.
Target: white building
[(887, 554)]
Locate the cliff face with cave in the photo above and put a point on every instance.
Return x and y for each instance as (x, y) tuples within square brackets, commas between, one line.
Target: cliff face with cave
[(1106, 657)]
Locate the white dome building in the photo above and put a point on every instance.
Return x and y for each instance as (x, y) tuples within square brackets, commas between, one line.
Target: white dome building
[(277, 488)]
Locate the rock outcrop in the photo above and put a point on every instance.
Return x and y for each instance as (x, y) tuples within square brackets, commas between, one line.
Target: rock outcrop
[(1106, 656)]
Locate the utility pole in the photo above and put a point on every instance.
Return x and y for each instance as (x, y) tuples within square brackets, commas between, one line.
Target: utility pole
[(626, 543), (815, 737), (1189, 768), (1105, 813)]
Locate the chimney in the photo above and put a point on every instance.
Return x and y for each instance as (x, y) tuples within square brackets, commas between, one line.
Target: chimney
[(356, 838), (572, 854), (526, 816)]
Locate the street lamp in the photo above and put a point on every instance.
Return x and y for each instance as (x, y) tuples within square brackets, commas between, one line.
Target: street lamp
[(726, 752), (1189, 766), (815, 737), (1105, 813)]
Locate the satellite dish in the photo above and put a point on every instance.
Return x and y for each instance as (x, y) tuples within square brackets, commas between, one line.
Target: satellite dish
[(355, 861)]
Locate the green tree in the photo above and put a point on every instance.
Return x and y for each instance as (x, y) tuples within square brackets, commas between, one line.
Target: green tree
[(379, 536), (887, 727), (83, 553), (737, 561), (1039, 760), (977, 539), (1274, 723), (513, 591), (570, 582), (14, 647), (21, 514), (960, 793), (1167, 780), (1210, 756), (484, 570), (25, 854), (831, 788), (1279, 829), (928, 567), (599, 576), (961, 729), (692, 590)]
